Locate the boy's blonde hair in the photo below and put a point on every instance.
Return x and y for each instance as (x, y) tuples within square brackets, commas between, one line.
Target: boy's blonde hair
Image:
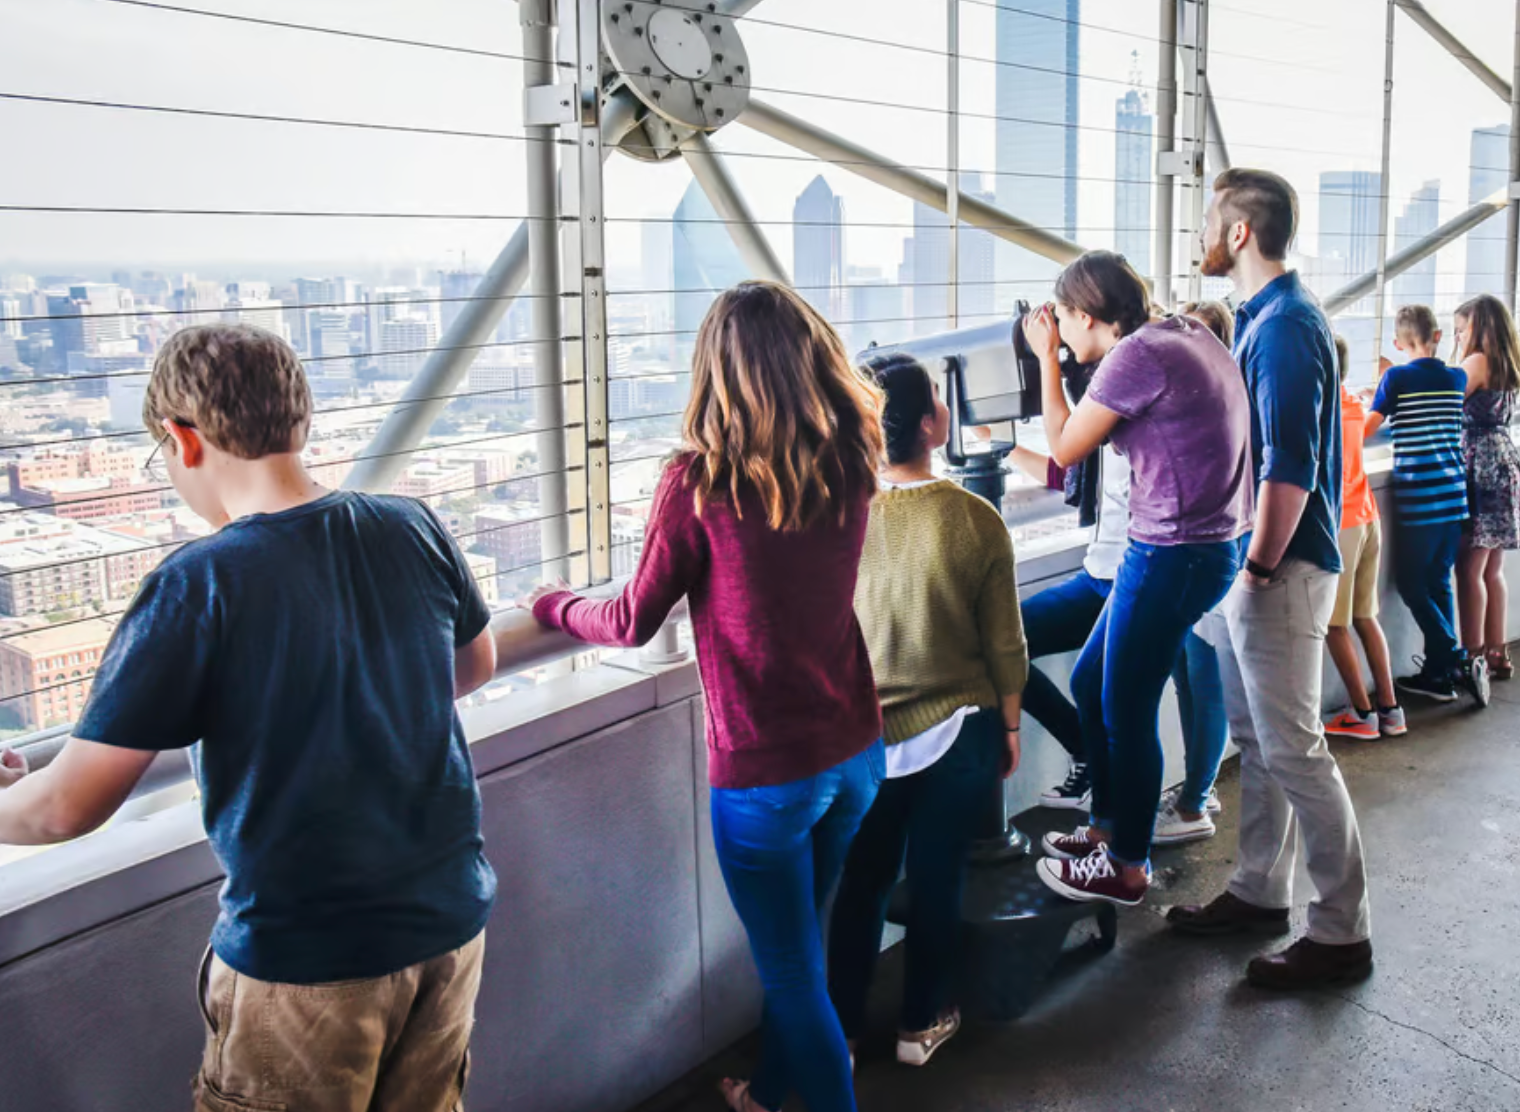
[(240, 387), (1416, 324)]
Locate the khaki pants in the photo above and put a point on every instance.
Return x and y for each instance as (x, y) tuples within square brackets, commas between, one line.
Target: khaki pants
[(1271, 643), (398, 1043)]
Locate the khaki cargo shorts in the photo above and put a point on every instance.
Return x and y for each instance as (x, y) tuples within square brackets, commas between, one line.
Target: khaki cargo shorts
[(1356, 596), (398, 1043)]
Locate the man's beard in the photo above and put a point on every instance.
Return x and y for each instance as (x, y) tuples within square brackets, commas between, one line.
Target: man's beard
[(1218, 259)]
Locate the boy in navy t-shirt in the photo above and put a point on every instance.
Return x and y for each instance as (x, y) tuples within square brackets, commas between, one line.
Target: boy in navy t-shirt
[(313, 648), (1423, 401)]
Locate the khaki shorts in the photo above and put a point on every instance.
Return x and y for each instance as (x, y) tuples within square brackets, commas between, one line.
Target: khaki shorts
[(1356, 596), (398, 1043)]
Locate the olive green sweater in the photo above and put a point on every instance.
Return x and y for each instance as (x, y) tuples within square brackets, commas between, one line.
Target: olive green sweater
[(938, 600)]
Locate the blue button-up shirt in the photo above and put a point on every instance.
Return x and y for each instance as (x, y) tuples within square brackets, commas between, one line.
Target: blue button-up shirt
[(1285, 349)]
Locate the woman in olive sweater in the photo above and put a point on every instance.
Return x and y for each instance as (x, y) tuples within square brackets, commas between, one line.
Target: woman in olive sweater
[(938, 602)]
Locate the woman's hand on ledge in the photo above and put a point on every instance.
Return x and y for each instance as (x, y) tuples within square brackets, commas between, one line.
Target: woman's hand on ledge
[(12, 767), (541, 591)]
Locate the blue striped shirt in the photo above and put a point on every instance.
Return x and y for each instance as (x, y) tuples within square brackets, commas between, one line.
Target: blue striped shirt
[(1423, 403)]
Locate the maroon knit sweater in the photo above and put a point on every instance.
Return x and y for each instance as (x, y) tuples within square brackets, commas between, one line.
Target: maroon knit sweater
[(784, 667)]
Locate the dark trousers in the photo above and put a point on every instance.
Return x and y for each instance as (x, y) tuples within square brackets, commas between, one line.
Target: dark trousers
[(1424, 556), (1059, 620), (1159, 595), (928, 820), (781, 849)]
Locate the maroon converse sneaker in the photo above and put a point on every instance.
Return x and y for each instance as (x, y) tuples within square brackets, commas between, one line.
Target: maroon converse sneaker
[(1096, 877), (1078, 844)]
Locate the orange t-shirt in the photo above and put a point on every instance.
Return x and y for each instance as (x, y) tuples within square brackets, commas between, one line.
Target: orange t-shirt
[(1358, 505)]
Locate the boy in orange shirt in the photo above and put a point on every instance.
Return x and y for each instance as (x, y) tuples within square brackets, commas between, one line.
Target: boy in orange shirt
[(1356, 599)]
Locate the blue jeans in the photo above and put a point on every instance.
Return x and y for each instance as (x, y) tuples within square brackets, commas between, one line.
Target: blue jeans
[(1205, 728), (1159, 595), (1059, 620), (781, 849), (1423, 559), (927, 819)]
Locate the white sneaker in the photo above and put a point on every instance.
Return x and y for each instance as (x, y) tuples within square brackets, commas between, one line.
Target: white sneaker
[(1170, 797), (1173, 830), (915, 1048)]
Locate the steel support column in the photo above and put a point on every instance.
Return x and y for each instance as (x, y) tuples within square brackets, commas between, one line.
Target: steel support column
[(1512, 227), (953, 150), (1166, 141), (1195, 115), (1417, 11), (814, 140), (708, 167), (428, 393), (1385, 189), (1218, 152), (1417, 252)]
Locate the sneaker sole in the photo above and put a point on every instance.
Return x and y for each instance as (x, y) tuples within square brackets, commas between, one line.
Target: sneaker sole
[(913, 1050), (1400, 732), (1061, 854), (1349, 736), (1482, 689), (1061, 888), (1431, 695), (1348, 977), (1183, 839)]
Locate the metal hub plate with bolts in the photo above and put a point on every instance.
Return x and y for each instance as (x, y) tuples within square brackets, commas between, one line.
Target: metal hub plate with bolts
[(684, 61)]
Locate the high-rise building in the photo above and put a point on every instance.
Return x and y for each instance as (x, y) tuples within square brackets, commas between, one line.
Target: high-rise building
[(456, 287), (89, 319), (1488, 173), (658, 276), (704, 261), (1421, 216), (1350, 205), (405, 342), (1037, 100), (1134, 159), (250, 303), (875, 309), (930, 267), (818, 248)]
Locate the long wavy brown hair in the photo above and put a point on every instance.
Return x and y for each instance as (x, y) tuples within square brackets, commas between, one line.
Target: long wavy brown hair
[(1491, 333), (777, 407)]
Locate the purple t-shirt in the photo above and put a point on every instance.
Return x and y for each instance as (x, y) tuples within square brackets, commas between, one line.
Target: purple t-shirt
[(1186, 431)]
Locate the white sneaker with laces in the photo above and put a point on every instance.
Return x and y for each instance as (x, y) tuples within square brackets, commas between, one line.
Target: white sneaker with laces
[(915, 1048), (1170, 797), (1172, 829)]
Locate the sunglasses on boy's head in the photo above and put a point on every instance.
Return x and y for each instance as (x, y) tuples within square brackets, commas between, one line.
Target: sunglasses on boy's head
[(154, 466)]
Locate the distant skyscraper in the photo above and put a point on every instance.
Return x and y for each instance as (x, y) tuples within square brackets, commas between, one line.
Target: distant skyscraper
[(1421, 216), (90, 320), (818, 248), (704, 262), (657, 283), (405, 342), (1037, 102), (250, 303), (1349, 207), (1134, 162), (874, 306), (1485, 244), (929, 268), (455, 289)]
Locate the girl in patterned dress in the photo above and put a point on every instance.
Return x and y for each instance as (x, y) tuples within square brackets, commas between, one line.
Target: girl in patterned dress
[(1490, 354)]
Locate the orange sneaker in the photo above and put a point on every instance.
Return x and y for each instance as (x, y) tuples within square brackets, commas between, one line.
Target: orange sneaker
[(1348, 723)]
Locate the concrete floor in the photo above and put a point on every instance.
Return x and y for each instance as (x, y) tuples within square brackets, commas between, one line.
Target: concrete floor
[(1167, 1024)]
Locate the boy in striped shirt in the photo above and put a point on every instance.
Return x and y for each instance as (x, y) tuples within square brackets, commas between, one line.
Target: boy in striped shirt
[(1423, 401)]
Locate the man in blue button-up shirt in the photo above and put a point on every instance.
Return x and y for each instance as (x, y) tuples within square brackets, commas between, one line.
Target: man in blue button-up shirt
[(1270, 630)]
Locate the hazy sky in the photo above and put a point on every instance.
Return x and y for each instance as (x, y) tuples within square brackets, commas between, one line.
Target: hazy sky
[(1316, 106)]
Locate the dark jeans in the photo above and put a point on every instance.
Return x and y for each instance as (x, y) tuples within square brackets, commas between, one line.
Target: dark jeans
[(929, 819), (1424, 556), (781, 849), (1159, 595), (1059, 620)]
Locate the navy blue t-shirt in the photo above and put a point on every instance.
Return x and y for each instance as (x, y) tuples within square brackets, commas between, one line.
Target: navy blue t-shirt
[(1423, 400), (1286, 351), (311, 654)]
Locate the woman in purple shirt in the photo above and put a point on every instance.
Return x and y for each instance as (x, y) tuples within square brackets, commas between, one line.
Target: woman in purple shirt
[(1172, 401)]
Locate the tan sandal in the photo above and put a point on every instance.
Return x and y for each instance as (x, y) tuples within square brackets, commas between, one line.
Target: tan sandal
[(1500, 667)]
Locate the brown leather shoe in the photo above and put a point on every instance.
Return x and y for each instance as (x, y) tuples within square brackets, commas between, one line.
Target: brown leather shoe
[(1228, 914), (1310, 964)]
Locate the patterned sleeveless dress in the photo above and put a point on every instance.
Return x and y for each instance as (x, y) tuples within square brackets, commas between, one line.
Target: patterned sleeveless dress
[(1493, 469)]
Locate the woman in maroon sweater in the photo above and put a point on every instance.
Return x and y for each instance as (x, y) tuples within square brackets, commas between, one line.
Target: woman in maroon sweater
[(760, 524)]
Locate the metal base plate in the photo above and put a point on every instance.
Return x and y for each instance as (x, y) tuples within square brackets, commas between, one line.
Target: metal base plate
[(680, 58)]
